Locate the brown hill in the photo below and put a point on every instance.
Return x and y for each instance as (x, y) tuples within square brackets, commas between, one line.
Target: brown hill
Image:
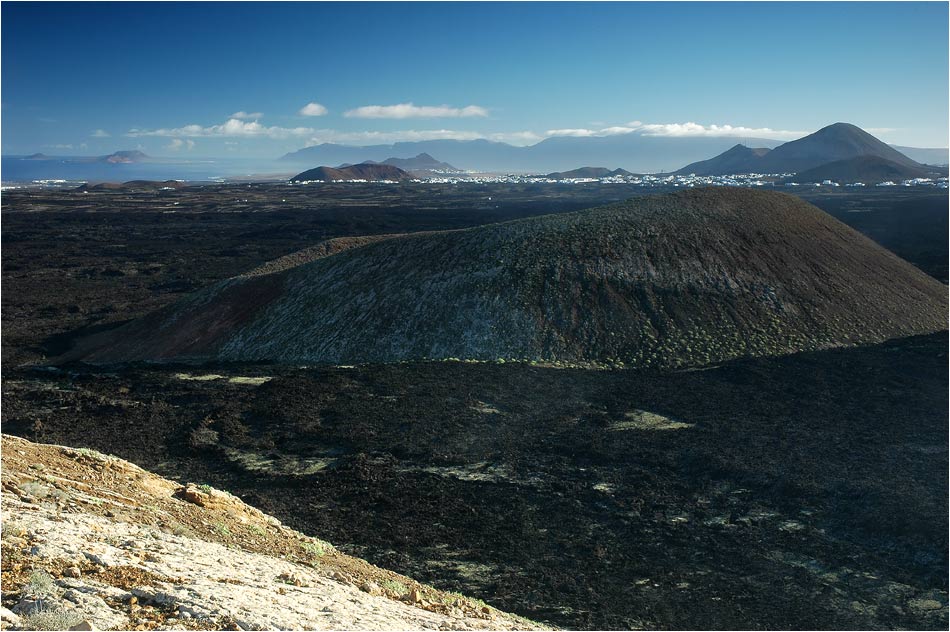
[(363, 171), (682, 279), (738, 159), (588, 172)]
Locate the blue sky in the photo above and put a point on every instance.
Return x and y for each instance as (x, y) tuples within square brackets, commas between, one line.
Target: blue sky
[(90, 78)]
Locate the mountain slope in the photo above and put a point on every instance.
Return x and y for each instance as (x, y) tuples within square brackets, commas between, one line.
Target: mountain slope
[(363, 171), (738, 159), (868, 169), (839, 141), (186, 554), (683, 279)]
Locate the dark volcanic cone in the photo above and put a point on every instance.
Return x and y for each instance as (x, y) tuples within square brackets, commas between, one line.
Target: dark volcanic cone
[(683, 279)]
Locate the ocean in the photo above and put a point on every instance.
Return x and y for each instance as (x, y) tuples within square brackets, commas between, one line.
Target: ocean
[(16, 171)]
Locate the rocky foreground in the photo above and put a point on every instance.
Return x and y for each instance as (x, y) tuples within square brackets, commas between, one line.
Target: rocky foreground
[(93, 542)]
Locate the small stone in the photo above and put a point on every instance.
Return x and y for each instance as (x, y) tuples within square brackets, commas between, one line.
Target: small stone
[(415, 596), (925, 604), (486, 610), (9, 617), (85, 624), (72, 571), (371, 587), (133, 600), (338, 576)]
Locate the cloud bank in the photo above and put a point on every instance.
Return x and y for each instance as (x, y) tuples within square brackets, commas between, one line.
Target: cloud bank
[(679, 130), (245, 116), (232, 127), (409, 110)]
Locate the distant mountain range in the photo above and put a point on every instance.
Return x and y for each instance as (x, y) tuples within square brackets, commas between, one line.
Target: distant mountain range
[(363, 171), (927, 156), (838, 151), (636, 152)]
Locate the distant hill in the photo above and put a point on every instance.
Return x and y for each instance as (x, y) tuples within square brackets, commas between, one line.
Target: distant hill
[(422, 162), (138, 185), (363, 171), (37, 157), (588, 172), (124, 157), (926, 156), (684, 279), (831, 144), (867, 169), (738, 159), (839, 141)]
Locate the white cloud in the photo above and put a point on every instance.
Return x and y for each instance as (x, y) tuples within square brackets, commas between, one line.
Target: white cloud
[(572, 131), (408, 110), (695, 129), (244, 116), (178, 143), (335, 136), (232, 127), (516, 138), (100, 133), (678, 129), (410, 135), (313, 109)]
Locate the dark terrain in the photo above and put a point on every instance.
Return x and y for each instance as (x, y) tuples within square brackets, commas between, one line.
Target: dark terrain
[(363, 171), (805, 491), (674, 280)]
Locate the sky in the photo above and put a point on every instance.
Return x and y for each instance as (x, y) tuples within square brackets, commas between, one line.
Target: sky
[(261, 79)]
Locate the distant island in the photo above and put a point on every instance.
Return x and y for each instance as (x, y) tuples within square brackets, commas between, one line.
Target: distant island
[(124, 157)]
